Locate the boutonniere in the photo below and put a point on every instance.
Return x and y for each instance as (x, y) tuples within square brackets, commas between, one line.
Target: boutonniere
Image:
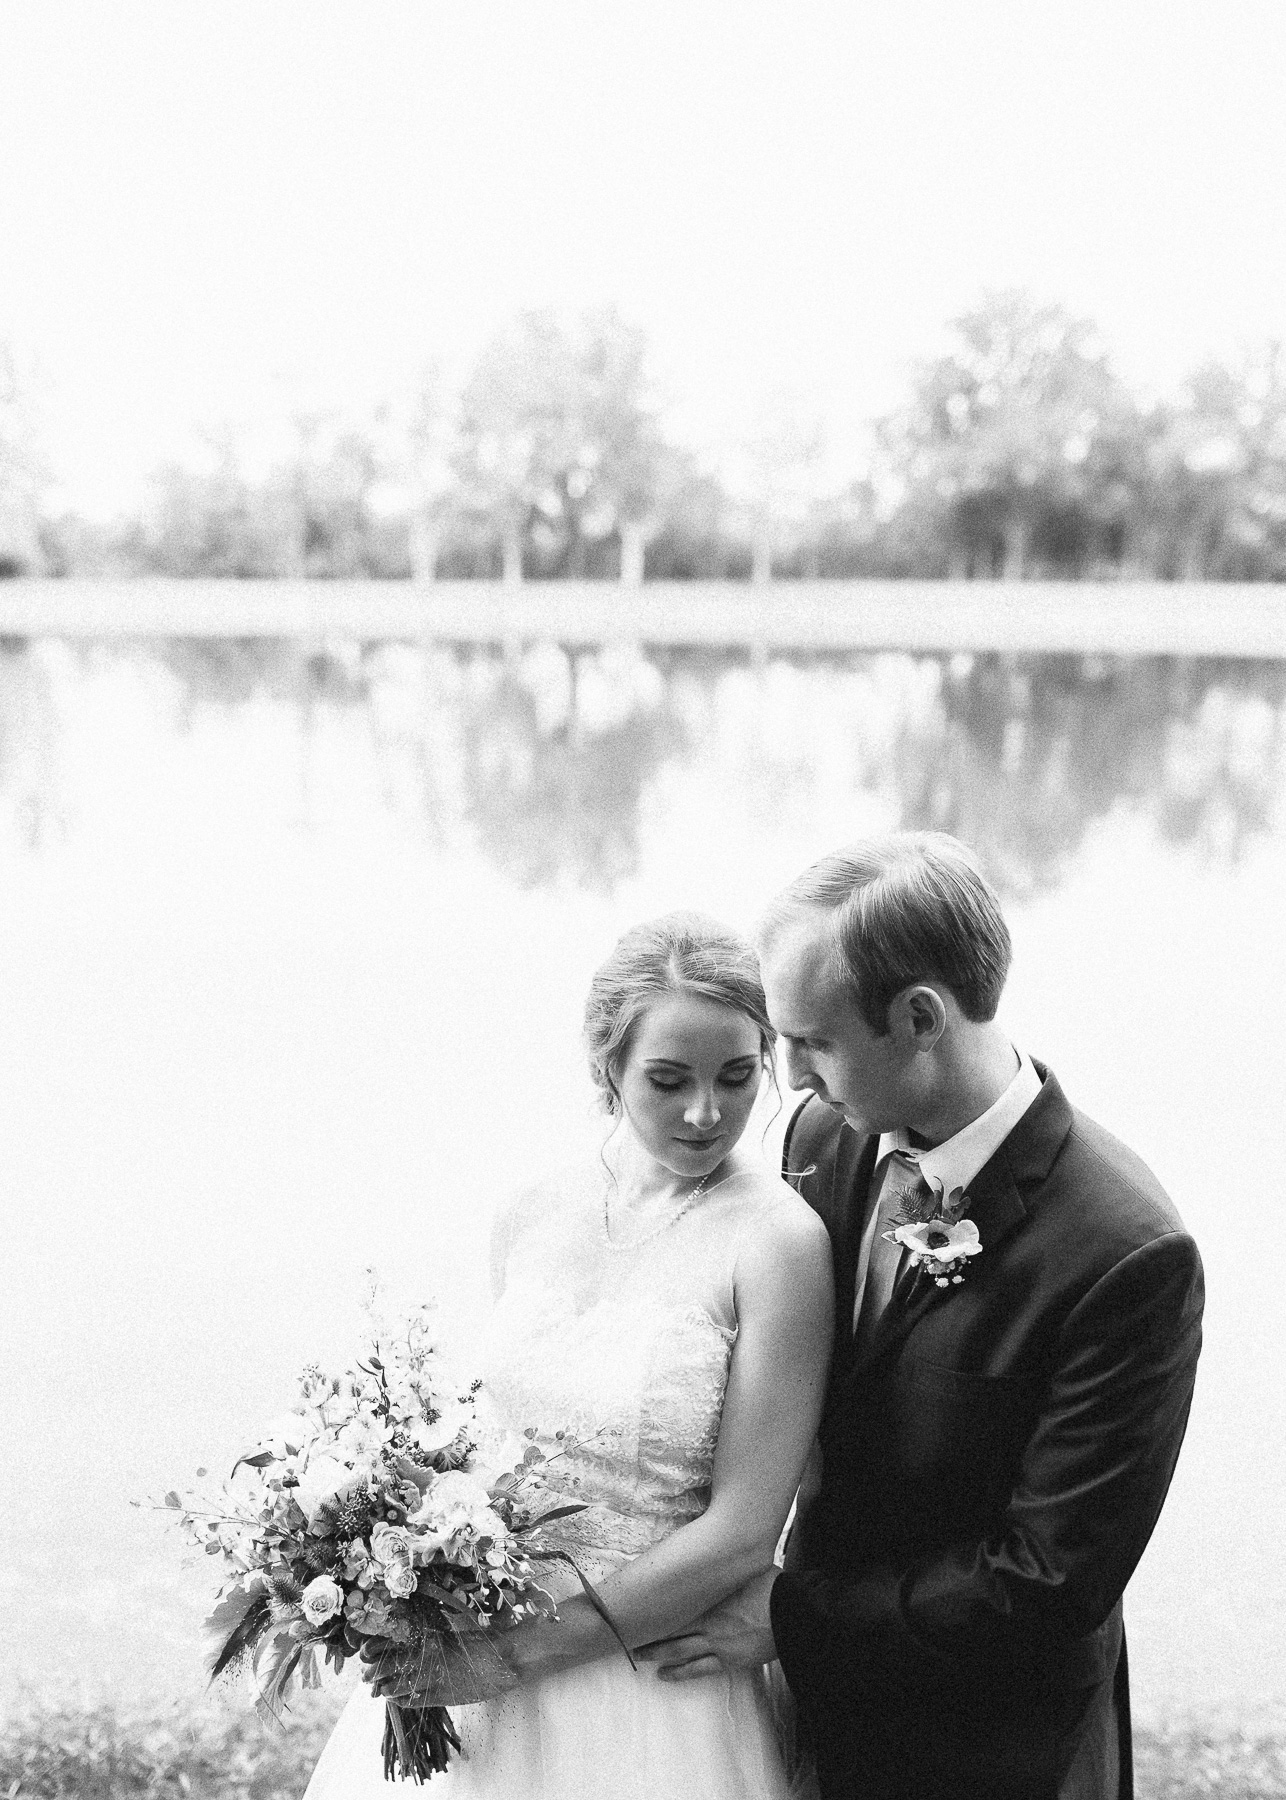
[(941, 1245)]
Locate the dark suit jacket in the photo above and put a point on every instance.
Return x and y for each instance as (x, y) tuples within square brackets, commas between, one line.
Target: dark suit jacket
[(993, 1466)]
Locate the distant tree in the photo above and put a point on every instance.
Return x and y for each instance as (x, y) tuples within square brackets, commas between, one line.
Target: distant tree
[(558, 445), (701, 535), (1013, 429), (1213, 504), (853, 535), (21, 473), (636, 473), (429, 477), (774, 480), (332, 482), (214, 522), (312, 516)]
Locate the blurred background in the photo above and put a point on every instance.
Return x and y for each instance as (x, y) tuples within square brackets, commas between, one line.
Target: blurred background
[(469, 314)]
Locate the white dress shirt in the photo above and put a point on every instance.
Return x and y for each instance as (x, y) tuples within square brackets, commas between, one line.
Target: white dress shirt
[(948, 1166)]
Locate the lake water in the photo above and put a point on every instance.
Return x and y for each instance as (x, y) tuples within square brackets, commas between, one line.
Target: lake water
[(292, 954)]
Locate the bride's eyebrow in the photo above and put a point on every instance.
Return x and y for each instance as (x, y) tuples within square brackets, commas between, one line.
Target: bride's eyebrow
[(669, 1062)]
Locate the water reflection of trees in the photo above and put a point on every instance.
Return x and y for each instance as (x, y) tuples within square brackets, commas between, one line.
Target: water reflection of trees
[(561, 801), (545, 760), (1022, 755), (29, 729)]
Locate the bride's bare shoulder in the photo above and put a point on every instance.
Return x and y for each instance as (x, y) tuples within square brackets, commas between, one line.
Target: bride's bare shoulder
[(780, 1216)]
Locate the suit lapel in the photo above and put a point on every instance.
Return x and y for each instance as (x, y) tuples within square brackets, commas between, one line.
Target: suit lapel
[(854, 1172), (995, 1206)]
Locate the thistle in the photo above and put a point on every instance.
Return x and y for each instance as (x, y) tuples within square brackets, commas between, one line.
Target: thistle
[(354, 1516)]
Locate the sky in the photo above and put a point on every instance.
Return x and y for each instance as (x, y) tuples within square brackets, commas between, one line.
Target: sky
[(217, 215)]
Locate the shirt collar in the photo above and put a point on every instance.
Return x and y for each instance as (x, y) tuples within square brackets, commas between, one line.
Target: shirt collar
[(954, 1164)]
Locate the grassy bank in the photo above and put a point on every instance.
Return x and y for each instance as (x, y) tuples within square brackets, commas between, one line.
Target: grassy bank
[(214, 1752), (206, 1752), (1197, 1762)]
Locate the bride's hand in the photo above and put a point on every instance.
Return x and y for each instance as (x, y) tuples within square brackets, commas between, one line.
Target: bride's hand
[(456, 1671)]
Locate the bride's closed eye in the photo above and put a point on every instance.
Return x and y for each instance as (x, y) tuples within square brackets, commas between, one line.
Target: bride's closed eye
[(730, 1081)]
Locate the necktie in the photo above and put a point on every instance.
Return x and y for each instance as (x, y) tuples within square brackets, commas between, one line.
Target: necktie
[(901, 1198)]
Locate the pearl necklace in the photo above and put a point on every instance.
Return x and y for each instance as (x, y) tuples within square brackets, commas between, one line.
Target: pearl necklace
[(685, 1205)]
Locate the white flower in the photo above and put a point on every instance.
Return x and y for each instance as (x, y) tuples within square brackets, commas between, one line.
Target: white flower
[(935, 1241), (457, 1488), (357, 1560), (288, 1434), (400, 1580), (405, 1397), (443, 1431), (325, 1478), (321, 1600), (456, 1510), (236, 1542), (362, 1436), (314, 1386)]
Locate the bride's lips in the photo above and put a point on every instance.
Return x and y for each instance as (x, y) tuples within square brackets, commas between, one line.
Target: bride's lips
[(701, 1143)]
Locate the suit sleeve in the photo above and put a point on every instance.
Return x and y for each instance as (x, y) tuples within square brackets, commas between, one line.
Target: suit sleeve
[(1087, 1493)]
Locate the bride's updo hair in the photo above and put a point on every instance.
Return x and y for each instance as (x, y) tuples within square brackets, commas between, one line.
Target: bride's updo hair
[(680, 953)]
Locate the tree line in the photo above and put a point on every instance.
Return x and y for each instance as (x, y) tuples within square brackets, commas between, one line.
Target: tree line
[(1018, 452)]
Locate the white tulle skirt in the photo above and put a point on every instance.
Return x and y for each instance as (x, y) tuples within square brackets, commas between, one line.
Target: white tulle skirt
[(601, 1732)]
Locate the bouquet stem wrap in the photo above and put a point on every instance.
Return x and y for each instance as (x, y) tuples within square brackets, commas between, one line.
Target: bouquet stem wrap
[(418, 1741)]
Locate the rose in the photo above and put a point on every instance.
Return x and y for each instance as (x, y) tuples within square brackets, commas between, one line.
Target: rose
[(390, 1544), (400, 1580), (321, 1600)]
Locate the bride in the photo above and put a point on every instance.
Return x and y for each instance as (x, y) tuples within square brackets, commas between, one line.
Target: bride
[(666, 1309)]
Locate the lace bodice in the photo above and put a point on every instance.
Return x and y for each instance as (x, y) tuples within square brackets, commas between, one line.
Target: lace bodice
[(626, 1349), (622, 1346)]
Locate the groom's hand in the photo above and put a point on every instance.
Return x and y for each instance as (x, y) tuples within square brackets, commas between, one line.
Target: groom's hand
[(736, 1634)]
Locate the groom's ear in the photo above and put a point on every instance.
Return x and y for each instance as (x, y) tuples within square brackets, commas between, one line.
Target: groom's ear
[(917, 1017)]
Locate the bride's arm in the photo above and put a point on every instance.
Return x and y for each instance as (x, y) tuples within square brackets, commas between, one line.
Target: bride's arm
[(770, 1415)]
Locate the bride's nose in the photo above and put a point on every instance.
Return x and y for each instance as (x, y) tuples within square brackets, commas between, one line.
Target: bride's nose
[(703, 1111)]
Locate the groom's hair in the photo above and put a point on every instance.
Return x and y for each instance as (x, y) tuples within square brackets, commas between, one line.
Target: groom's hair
[(913, 906)]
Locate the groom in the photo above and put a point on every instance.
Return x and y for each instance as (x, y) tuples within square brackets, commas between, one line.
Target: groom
[(1001, 1427)]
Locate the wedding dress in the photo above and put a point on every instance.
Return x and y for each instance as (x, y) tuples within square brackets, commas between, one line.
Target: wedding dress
[(623, 1346)]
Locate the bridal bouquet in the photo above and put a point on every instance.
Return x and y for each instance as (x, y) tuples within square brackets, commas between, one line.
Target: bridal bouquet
[(359, 1523)]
